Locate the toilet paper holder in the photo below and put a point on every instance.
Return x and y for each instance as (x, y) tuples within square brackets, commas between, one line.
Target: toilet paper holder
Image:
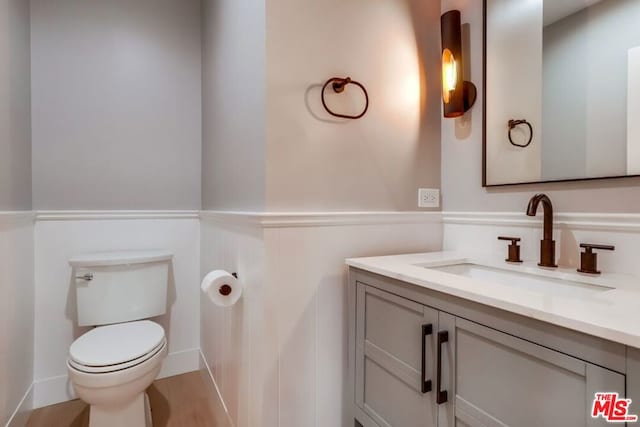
[(225, 290)]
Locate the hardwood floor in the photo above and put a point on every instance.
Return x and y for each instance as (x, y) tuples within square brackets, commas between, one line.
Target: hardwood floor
[(187, 400)]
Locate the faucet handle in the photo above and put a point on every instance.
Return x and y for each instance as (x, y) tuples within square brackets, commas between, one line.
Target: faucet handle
[(589, 259), (514, 249)]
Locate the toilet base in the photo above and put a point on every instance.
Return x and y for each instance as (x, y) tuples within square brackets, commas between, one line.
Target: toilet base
[(137, 413)]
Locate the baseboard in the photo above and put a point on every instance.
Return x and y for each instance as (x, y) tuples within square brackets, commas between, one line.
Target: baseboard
[(50, 391), (180, 362), (225, 416), (58, 389), (21, 415)]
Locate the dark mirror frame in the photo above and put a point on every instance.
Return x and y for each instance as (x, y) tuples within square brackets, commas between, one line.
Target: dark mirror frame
[(484, 125)]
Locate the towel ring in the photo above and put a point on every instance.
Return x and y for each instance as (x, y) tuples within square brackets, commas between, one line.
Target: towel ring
[(515, 123), (338, 84)]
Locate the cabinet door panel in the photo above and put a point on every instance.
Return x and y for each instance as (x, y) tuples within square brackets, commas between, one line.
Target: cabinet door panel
[(389, 400), (501, 380), (391, 323), (389, 359)]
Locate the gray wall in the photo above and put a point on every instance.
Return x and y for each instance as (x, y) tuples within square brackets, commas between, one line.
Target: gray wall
[(585, 90), (462, 159), (116, 104), (564, 100), (15, 106), (233, 105)]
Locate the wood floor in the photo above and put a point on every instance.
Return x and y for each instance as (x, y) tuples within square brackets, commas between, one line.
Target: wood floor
[(186, 400)]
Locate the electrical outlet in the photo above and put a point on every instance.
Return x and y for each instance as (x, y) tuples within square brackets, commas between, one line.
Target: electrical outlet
[(428, 198)]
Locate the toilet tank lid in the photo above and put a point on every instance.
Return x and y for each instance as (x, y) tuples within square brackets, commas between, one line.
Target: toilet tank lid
[(101, 259)]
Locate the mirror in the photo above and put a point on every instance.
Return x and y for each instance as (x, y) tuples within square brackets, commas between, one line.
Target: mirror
[(562, 90)]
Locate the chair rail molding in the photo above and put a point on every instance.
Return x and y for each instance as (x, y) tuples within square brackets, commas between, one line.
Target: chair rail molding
[(580, 221), (320, 219), (82, 215)]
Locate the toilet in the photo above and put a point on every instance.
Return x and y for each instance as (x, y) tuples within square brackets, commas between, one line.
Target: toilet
[(112, 365)]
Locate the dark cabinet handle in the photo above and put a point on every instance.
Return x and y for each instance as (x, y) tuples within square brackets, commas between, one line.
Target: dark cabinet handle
[(441, 395), (426, 384)]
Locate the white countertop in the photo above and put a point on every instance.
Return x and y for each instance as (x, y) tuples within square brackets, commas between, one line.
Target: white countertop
[(612, 314)]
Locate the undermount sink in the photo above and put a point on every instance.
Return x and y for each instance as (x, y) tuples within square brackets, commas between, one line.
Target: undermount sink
[(522, 280)]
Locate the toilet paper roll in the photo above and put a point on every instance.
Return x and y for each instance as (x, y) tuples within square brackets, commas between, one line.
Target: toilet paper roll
[(222, 288)]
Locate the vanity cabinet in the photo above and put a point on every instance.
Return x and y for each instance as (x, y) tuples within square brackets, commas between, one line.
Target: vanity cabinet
[(400, 344), (394, 363)]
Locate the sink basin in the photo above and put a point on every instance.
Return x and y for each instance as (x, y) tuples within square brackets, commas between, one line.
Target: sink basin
[(524, 281)]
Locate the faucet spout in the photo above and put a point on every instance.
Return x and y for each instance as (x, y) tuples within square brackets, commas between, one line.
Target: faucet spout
[(532, 210), (547, 245)]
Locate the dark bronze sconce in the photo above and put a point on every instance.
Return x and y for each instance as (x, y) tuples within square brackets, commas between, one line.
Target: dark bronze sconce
[(458, 95)]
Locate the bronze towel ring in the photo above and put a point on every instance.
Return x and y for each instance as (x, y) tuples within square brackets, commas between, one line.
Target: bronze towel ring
[(513, 124), (338, 85)]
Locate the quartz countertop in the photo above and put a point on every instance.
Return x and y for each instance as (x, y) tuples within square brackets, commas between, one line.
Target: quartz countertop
[(612, 314)]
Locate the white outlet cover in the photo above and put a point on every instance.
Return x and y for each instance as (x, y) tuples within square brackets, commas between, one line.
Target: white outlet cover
[(428, 198)]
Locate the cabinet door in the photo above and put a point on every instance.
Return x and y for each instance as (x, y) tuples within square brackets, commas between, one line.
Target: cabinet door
[(501, 380), (394, 338)]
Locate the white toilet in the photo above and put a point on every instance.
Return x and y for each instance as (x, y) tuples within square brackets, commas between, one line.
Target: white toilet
[(112, 365)]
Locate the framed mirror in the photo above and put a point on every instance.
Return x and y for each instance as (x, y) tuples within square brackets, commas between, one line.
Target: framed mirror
[(561, 90)]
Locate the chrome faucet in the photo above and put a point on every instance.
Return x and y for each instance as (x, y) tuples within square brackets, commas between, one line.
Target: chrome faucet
[(547, 244)]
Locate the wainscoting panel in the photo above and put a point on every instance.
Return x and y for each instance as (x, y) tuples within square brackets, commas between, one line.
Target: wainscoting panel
[(60, 235)]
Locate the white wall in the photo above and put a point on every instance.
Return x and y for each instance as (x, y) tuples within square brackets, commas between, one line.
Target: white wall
[(16, 222), (514, 78), (316, 162), (476, 234), (462, 158), (231, 338), (116, 104), (59, 237), (15, 106), (16, 312), (279, 357)]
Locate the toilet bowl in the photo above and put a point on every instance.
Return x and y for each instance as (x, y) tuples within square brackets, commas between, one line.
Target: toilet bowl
[(110, 367)]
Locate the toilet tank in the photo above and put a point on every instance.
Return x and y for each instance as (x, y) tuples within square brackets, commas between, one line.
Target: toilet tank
[(116, 287)]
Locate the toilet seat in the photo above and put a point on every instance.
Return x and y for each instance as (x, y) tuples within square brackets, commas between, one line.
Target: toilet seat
[(118, 367), (116, 347)]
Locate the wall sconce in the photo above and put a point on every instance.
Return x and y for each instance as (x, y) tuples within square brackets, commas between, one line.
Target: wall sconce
[(458, 95)]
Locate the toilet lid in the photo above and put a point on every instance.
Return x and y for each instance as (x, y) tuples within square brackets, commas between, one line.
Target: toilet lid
[(116, 344)]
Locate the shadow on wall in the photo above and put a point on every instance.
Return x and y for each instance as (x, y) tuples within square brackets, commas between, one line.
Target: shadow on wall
[(313, 102), (165, 320), (568, 241), (464, 124)]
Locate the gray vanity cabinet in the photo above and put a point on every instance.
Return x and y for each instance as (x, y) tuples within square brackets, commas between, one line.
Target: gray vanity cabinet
[(491, 378), (501, 380), (392, 385)]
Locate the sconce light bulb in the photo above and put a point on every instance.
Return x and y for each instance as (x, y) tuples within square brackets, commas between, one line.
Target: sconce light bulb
[(449, 75)]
